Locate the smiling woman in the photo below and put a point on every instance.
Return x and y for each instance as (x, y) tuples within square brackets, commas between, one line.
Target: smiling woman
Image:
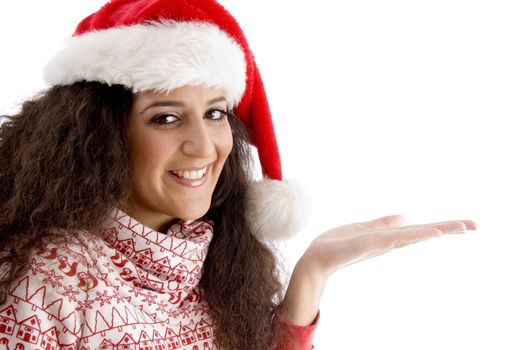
[(158, 246), (128, 192), (129, 213)]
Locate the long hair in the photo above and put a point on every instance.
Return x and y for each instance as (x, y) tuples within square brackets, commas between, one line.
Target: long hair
[(65, 164)]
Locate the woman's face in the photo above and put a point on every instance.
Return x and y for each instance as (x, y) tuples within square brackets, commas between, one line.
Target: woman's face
[(179, 142)]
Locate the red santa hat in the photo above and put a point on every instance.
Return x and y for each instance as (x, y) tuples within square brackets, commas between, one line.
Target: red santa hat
[(165, 44)]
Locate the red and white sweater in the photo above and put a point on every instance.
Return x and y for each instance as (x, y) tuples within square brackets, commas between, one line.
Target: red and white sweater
[(130, 288)]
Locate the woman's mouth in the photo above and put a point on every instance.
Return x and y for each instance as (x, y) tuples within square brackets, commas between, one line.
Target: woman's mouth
[(190, 177)]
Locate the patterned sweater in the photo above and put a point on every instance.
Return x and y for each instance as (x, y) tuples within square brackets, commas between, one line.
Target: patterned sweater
[(129, 288)]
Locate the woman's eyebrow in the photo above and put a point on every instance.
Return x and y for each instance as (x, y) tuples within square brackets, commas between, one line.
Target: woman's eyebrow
[(174, 103), (217, 99)]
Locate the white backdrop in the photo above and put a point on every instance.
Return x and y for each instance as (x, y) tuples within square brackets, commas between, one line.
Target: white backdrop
[(381, 107)]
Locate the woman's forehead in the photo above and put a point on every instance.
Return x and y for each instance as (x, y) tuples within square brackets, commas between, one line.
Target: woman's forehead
[(184, 93)]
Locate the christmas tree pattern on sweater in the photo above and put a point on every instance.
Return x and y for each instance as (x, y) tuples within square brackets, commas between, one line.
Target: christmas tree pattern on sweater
[(128, 287)]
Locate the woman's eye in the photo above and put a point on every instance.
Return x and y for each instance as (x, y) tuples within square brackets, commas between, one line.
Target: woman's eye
[(165, 119), (216, 114)]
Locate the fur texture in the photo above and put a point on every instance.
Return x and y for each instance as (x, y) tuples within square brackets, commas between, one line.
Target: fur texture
[(276, 210), (193, 53)]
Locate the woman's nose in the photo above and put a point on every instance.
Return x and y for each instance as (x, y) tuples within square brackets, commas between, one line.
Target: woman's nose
[(198, 139)]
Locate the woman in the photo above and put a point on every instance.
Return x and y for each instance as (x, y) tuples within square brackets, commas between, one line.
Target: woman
[(129, 218)]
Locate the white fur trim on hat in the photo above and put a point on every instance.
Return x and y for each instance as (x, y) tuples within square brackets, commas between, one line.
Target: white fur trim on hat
[(158, 56), (276, 210)]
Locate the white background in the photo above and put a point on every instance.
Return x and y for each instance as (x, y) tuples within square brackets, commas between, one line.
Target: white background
[(381, 107)]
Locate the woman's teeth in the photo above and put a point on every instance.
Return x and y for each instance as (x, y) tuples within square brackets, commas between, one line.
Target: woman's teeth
[(190, 175)]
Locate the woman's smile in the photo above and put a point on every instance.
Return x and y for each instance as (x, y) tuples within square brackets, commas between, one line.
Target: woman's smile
[(191, 177)]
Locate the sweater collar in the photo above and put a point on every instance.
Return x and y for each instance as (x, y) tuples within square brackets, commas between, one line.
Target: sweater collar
[(163, 262)]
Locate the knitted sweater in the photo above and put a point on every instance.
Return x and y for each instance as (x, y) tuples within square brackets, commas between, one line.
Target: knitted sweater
[(130, 288)]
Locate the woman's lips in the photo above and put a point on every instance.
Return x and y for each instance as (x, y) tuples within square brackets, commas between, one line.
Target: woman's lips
[(188, 182)]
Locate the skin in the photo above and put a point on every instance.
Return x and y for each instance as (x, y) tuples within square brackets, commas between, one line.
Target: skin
[(181, 129), (190, 138), (345, 245)]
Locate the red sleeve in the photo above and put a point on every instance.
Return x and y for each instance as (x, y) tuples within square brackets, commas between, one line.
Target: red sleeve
[(290, 336)]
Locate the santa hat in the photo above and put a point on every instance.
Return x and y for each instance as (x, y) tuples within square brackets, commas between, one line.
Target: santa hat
[(165, 44)]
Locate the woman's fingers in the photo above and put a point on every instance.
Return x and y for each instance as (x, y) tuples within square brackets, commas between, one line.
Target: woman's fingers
[(404, 237), (397, 221), (383, 241), (456, 226), (470, 225), (444, 226)]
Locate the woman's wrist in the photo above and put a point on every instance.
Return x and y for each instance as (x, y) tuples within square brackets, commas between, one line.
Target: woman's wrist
[(301, 303)]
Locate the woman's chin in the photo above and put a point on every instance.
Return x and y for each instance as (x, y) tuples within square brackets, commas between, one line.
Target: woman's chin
[(193, 213)]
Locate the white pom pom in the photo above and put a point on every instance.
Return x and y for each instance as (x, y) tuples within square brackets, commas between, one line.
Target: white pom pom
[(276, 210)]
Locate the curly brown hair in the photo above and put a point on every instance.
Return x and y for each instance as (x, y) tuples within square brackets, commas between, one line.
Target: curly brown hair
[(65, 164)]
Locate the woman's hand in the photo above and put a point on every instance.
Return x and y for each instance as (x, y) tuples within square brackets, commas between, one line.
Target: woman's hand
[(348, 244), (351, 243)]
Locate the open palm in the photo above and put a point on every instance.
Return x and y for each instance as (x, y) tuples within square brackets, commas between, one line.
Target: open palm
[(351, 243)]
